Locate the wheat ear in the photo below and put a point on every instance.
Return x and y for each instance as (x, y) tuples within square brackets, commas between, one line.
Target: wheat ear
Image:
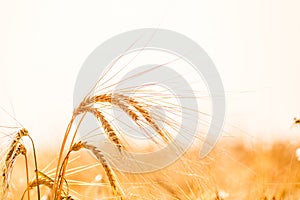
[(108, 171), (147, 116), (13, 146), (7, 169), (119, 101), (87, 106), (15, 150)]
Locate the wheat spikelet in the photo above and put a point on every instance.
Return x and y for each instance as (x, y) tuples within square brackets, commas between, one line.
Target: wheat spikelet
[(103, 98), (84, 106), (77, 146)]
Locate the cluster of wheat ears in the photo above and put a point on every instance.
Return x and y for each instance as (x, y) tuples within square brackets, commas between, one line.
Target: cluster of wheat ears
[(58, 184)]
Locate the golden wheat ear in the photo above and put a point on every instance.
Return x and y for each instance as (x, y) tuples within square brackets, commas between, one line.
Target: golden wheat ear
[(127, 104), (132, 107), (87, 105), (110, 132), (8, 168), (116, 190), (15, 149), (142, 109), (14, 144)]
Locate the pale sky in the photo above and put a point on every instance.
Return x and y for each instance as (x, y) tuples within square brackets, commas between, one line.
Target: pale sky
[(254, 44)]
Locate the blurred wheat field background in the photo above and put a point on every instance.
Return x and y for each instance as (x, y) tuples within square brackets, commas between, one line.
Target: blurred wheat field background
[(232, 171)]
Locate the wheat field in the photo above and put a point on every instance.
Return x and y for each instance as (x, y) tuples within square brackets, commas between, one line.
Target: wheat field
[(136, 125), (235, 169)]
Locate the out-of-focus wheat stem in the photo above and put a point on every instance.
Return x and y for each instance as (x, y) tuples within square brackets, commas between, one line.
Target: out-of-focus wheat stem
[(24, 152)]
